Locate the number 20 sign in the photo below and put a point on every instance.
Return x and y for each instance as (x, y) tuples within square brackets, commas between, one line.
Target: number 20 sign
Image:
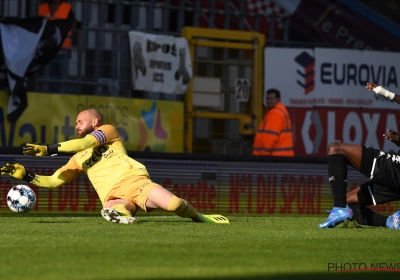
[(242, 90)]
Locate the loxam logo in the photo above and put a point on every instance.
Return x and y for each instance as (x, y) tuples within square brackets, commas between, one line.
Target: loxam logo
[(307, 74)]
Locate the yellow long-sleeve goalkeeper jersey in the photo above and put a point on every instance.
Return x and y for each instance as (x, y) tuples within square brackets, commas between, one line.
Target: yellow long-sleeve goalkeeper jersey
[(106, 164)]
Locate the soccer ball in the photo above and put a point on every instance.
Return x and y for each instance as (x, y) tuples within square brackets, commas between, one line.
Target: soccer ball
[(21, 199)]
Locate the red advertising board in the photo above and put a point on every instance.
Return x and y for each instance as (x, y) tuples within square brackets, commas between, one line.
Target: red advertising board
[(316, 128), (231, 187)]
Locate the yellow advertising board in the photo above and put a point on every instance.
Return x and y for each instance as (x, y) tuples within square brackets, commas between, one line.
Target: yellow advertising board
[(144, 125)]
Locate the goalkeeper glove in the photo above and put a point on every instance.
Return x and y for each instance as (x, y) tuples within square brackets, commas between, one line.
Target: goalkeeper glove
[(17, 171), (38, 150)]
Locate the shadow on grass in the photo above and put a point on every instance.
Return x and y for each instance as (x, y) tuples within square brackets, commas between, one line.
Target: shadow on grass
[(54, 216), (354, 275), (51, 222), (388, 275), (46, 215), (161, 221)]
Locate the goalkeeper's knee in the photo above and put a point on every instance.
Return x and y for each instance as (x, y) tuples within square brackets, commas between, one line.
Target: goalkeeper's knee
[(176, 205), (182, 208)]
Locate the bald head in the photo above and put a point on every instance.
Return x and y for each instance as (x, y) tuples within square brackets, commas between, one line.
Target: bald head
[(93, 114), (88, 121)]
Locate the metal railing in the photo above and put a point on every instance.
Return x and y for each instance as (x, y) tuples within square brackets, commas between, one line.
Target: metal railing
[(99, 62)]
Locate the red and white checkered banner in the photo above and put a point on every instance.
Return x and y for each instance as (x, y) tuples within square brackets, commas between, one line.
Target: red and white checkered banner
[(280, 8)]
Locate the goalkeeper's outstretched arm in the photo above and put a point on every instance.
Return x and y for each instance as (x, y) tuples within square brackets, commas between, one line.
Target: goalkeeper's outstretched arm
[(71, 146), (56, 180)]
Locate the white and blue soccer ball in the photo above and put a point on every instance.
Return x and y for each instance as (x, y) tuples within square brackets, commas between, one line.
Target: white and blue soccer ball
[(21, 199)]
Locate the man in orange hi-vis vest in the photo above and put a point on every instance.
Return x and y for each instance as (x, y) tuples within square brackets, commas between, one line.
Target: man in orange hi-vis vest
[(274, 136)]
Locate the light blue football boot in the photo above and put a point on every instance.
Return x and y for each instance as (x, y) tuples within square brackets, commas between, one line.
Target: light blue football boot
[(393, 221), (338, 215)]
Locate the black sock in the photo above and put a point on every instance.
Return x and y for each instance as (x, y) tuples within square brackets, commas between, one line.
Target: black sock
[(365, 216), (378, 220), (362, 214), (337, 172)]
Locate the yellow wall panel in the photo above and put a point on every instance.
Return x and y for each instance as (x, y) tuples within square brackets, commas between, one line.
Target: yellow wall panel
[(152, 125)]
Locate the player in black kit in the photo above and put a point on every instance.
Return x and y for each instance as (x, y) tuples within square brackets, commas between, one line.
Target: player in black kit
[(381, 167)]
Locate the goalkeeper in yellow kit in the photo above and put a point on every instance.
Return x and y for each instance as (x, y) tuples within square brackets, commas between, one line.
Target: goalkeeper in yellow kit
[(121, 183)]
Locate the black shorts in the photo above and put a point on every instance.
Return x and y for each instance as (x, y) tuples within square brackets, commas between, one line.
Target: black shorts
[(384, 170)]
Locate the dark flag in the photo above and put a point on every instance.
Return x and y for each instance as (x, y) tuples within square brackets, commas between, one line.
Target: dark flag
[(26, 46)]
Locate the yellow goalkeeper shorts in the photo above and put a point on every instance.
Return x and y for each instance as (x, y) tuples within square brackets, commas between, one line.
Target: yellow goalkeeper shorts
[(134, 189)]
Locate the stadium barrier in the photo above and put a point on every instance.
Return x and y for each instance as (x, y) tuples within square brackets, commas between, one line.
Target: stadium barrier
[(266, 187)]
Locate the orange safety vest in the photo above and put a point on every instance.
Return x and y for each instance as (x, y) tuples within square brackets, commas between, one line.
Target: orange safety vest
[(62, 13), (274, 136)]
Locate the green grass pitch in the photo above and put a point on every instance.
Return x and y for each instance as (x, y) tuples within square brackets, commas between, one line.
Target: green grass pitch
[(34, 246)]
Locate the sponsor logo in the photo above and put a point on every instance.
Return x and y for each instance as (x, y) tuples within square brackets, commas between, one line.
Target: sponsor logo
[(307, 73), (357, 74)]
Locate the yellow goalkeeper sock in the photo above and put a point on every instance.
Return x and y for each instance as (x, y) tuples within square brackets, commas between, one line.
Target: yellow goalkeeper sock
[(184, 209), (122, 210)]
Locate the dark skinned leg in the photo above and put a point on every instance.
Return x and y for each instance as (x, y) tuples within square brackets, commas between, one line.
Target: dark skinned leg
[(352, 153), (362, 214), (339, 155)]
